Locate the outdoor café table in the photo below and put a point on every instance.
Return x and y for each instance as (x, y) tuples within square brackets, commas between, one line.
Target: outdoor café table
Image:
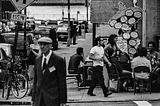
[(88, 63), (85, 67)]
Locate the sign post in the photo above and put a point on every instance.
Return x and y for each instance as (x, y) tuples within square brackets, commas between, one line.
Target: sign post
[(19, 5)]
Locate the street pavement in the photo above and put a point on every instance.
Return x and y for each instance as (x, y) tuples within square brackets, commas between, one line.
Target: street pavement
[(76, 95)]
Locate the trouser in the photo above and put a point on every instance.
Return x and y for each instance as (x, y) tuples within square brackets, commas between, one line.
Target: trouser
[(97, 76), (42, 103)]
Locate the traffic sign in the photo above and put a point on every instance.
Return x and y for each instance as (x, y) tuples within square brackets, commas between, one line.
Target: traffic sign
[(18, 17), (21, 4)]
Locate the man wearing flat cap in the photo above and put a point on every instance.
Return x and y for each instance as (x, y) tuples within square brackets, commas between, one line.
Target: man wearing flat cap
[(49, 87)]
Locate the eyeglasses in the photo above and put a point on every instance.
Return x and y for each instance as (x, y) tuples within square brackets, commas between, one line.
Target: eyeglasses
[(43, 44)]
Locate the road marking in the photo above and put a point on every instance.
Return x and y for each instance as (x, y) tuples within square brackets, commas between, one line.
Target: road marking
[(142, 103)]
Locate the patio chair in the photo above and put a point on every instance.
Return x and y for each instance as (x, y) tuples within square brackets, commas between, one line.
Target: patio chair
[(141, 81), (72, 76)]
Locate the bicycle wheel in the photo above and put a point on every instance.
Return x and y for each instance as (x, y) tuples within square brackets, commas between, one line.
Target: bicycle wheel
[(19, 86)]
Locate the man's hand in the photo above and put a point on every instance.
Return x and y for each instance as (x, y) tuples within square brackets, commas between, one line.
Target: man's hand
[(109, 64)]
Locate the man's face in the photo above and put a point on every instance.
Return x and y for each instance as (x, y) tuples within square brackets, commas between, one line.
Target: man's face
[(45, 47), (150, 47), (101, 41)]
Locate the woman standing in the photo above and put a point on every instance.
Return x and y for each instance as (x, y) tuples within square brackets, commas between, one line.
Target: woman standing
[(113, 38), (112, 52)]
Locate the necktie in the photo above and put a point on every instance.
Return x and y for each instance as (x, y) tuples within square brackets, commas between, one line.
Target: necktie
[(44, 65)]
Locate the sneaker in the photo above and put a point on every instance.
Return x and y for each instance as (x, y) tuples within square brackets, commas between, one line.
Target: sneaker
[(107, 94), (91, 94)]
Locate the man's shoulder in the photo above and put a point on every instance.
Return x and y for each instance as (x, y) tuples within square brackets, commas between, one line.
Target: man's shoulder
[(76, 56), (56, 56)]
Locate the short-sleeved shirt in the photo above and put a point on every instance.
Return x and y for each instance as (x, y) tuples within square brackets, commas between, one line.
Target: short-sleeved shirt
[(98, 53), (154, 55), (74, 62)]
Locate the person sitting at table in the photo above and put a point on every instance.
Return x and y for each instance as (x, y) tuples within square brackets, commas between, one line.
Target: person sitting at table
[(141, 60), (76, 62), (153, 55)]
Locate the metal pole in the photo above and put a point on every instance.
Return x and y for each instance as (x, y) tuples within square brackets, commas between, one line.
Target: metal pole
[(87, 13), (0, 10), (25, 12), (144, 24), (69, 26), (94, 33), (62, 10), (15, 40), (77, 16)]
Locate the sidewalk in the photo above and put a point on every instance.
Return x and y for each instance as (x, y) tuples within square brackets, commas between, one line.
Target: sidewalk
[(75, 95), (80, 96)]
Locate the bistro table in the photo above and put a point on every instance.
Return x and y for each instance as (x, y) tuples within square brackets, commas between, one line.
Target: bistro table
[(88, 63)]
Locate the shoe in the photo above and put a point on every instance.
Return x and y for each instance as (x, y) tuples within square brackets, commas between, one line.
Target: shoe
[(91, 94), (107, 94)]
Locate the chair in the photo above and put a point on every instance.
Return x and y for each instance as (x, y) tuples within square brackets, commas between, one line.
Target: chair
[(139, 79), (72, 76), (114, 74)]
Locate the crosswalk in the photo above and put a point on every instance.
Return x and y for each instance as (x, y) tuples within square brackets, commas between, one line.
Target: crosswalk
[(142, 103)]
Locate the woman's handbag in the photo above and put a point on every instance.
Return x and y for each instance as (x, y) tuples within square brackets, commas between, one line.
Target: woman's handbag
[(113, 85)]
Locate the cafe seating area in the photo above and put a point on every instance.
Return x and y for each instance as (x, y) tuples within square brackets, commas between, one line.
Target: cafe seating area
[(130, 86)]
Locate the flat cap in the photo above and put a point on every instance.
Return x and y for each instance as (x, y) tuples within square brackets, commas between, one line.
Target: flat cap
[(45, 40)]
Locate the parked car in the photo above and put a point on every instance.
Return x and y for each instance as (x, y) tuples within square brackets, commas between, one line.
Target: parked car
[(45, 31), (10, 36), (62, 28), (51, 23), (40, 21), (62, 31)]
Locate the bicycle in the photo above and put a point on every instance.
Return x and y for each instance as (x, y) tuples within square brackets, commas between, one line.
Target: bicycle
[(15, 82)]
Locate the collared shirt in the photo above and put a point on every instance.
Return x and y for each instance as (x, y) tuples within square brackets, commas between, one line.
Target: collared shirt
[(47, 57)]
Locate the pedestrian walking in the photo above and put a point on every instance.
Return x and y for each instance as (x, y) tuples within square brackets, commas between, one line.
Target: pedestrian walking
[(53, 35), (97, 55), (49, 87)]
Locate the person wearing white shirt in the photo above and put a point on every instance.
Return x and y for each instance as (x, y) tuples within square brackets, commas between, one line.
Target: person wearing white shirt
[(97, 56)]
